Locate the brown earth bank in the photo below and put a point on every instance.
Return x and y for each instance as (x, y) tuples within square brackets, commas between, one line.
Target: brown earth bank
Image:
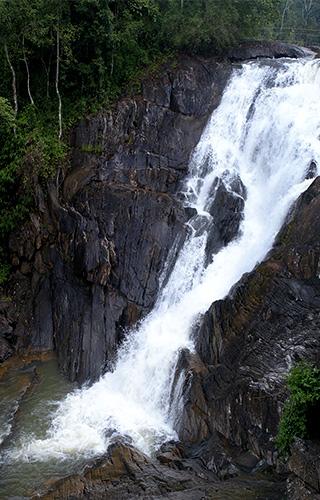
[(88, 264)]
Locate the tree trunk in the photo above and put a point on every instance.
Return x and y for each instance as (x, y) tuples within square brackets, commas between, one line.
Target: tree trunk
[(284, 12), (47, 70), (307, 10), (57, 82), (112, 62), (28, 72), (14, 85)]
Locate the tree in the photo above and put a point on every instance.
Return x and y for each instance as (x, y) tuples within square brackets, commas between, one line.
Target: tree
[(300, 21), (10, 47), (7, 117)]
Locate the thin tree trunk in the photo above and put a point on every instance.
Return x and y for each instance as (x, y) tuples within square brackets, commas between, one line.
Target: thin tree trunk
[(47, 70), (285, 10), (14, 85), (28, 72), (181, 4), (308, 8), (112, 62), (57, 82)]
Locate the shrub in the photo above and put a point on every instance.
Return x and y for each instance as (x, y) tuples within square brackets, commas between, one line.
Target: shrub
[(303, 381)]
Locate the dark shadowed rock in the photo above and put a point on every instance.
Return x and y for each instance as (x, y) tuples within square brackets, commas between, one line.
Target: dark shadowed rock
[(6, 350), (226, 210), (312, 170), (298, 490), (192, 427), (266, 49), (304, 463), (7, 334)]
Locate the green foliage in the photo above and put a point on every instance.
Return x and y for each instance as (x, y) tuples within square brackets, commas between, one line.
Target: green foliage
[(104, 48), (105, 42), (7, 118), (27, 158), (92, 149), (4, 273), (303, 382)]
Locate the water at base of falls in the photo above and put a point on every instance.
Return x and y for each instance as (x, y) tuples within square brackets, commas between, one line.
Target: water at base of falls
[(28, 395), (265, 133)]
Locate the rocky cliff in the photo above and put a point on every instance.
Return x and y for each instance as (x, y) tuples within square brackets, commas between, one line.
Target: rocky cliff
[(90, 261)]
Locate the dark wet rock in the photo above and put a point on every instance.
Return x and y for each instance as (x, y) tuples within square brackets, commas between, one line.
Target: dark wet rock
[(191, 212), (128, 473), (5, 327), (304, 463), (315, 49), (192, 427), (226, 210), (7, 324), (6, 350), (249, 341), (88, 263), (171, 453), (265, 49), (297, 489), (312, 170)]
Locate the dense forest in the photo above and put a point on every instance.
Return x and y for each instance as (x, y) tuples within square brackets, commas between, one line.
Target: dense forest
[(61, 59), (299, 21)]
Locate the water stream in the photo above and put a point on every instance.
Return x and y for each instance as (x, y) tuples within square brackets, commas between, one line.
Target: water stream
[(265, 132)]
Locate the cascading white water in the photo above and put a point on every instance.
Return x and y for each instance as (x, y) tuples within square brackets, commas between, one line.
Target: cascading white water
[(266, 131)]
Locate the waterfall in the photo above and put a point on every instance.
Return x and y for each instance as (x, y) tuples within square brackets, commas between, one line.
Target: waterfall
[(265, 133)]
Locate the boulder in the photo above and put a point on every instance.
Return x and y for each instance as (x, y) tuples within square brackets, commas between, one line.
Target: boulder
[(226, 209), (127, 473), (312, 170), (265, 49)]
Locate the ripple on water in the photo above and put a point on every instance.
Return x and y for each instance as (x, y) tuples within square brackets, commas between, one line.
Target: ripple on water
[(28, 397)]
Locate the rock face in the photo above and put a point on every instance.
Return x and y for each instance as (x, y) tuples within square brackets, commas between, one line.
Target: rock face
[(89, 261), (304, 464), (255, 50), (227, 211), (248, 342), (7, 337)]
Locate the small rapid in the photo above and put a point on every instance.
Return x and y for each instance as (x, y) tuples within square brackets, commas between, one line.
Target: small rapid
[(265, 132)]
